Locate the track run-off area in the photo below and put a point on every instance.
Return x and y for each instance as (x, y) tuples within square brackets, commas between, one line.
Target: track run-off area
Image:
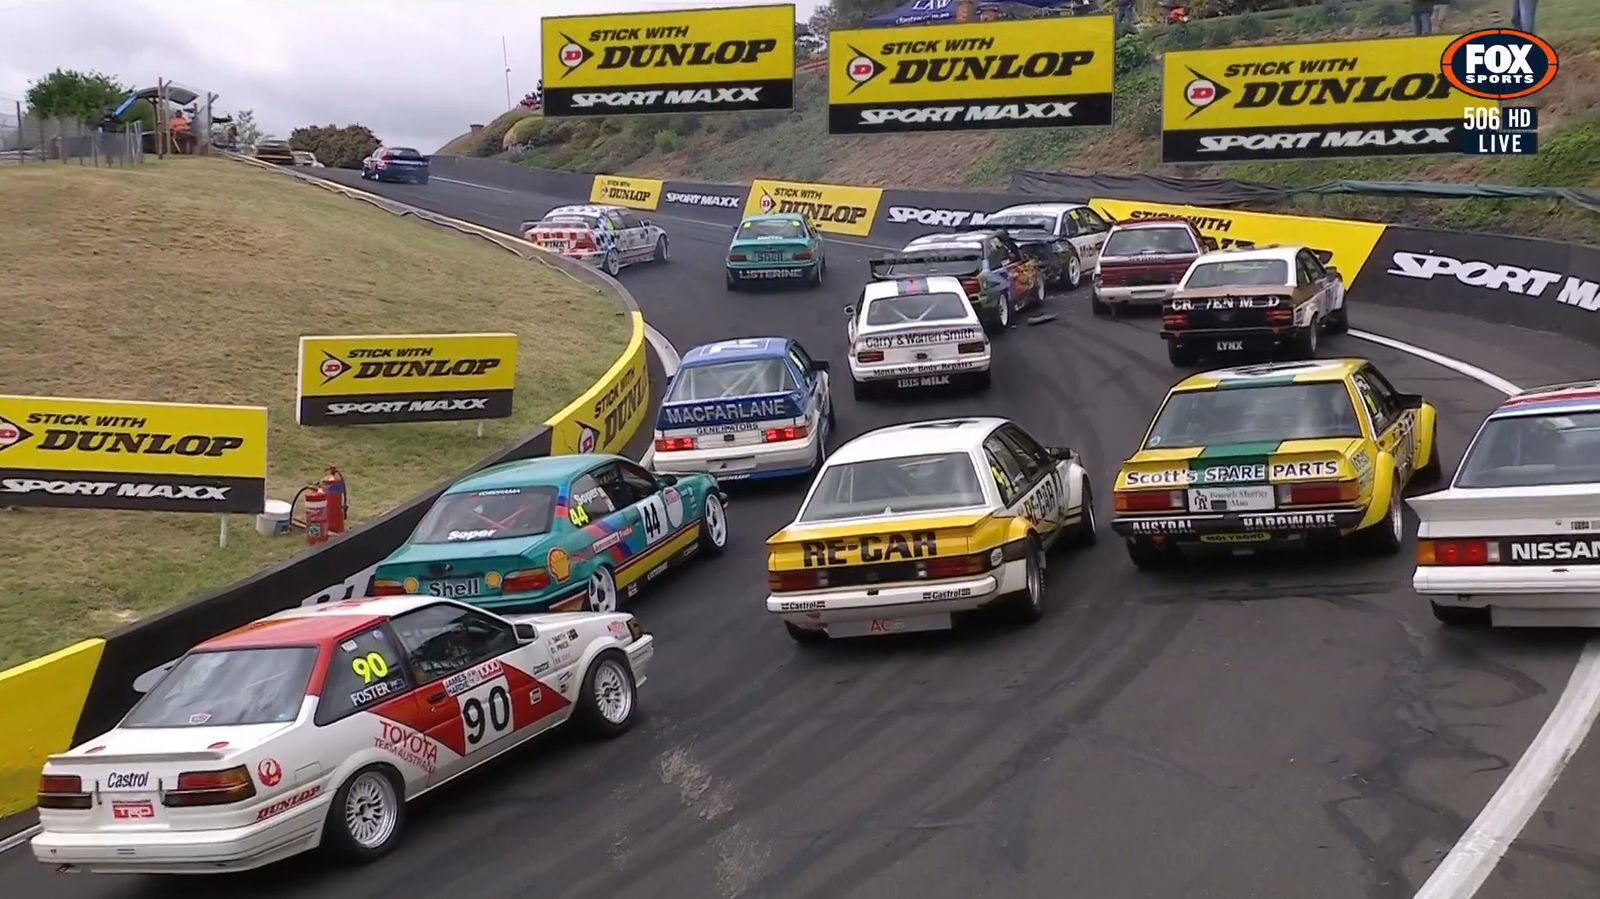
[(1282, 727)]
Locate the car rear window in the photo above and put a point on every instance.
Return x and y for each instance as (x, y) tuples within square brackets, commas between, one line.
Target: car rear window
[(1173, 241), (962, 261), (1239, 273), (1018, 220), (913, 309), (921, 483), (730, 379), (1534, 451), (771, 228), (1255, 415), (488, 515), (568, 220), (223, 688), (403, 153)]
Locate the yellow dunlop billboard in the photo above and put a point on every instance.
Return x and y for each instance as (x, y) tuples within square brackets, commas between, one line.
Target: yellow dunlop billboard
[(734, 59), (1348, 244), (115, 454), (1383, 97), (605, 418), (835, 208), (382, 379), (1035, 73), (639, 193)]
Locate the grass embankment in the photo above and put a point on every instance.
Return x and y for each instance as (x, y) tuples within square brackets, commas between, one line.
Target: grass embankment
[(191, 280), (796, 144)]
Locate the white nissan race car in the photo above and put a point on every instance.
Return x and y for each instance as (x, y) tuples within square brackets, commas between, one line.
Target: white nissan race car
[(915, 333), (1515, 539), (315, 726)]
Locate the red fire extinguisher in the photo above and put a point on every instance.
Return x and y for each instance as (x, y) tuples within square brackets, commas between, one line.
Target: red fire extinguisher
[(338, 499), (316, 515)]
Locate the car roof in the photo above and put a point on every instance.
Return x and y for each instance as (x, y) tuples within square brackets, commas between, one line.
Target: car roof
[(774, 216), (1569, 396), (944, 435), (316, 625), (1282, 252), (544, 470), (1040, 208), (880, 290), (972, 239), (1272, 374), (582, 209), (1170, 221), (738, 349)]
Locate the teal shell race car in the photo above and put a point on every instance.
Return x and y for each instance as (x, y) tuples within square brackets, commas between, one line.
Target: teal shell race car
[(560, 533), (779, 248)]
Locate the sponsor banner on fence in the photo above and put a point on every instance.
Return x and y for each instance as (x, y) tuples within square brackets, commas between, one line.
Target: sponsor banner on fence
[(116, 454), (1037, 73), (734, 59), (905, 214), (385, 379), (1349, 243), (1381, 97), (616, 190), (1522, 281), (602, 420), (695, 200), (834, 208)]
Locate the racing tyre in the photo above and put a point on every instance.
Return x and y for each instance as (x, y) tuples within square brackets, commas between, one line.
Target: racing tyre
[(1088, 527), (1028, 605), (982, 380), (423, 180), (1386, 537), (609, 696), (613, 263), (1000, 321), (1039, 293), (1339, 320), (662, 252), (1180, 356), (1431, 471), (733, 283), (1098, 306), (713, 526), (805, 636), (1146, 556), (602, 595), (862, 391), (1304, 344), (366, 816), (1074, 271), (816, 275), (1461, 616)]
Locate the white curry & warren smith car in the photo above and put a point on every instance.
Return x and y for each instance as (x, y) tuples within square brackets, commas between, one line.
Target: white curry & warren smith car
[(915, 333), (314, 727)]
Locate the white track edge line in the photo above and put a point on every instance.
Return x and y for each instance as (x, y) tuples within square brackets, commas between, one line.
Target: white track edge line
[(17, 839), (1473, 858)]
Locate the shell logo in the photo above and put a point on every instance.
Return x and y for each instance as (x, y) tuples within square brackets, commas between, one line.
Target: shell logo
[(411, 585), (492, 580), (559, 565)]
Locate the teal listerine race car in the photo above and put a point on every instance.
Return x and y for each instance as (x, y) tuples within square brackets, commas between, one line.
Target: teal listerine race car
[(782, 247), (560, 533)]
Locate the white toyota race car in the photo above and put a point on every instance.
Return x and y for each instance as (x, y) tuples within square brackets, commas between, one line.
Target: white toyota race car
[(315, 726), (1515, 539), (915, 333)]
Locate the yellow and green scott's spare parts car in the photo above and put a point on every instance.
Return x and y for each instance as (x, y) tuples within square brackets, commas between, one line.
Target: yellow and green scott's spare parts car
[(1240, 458)]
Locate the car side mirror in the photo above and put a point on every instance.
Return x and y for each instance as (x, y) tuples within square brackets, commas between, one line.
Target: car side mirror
[(1334, 271), (1408, 400), (1060, 453), (526, 632), (1209, 243), (819, 365), (666, 480), (645, 222), (850, 312), (1323, 256)]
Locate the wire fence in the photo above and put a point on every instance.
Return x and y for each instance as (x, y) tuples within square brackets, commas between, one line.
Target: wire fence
[(26, 140)]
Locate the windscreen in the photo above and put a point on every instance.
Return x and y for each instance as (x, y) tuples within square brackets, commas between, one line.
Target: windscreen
[(915, 309), (730, 379), (771, 228), (1020, 220), (1534, 451), (488, 515), (403, 153), (1173, 241), (567, 220), (229, 687), (889, 486), (1255, 415), (1239, 273)]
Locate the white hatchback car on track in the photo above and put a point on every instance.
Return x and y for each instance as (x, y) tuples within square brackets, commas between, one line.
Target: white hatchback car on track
[(915, 333), (1515, 539), (314, 727)]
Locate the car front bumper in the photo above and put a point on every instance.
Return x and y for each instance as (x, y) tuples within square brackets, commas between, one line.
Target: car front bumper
[(818, 609), (186, 851), (640, 653), (1517, 596), (742, 463)]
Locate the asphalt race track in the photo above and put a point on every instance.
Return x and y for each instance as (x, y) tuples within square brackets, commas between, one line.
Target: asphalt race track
[(1298, 727)]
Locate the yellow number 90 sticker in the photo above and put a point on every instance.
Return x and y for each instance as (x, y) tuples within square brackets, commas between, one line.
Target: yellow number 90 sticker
[(370, 666)]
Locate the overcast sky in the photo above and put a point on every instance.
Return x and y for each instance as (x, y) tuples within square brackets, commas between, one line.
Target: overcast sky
[(416, 72)]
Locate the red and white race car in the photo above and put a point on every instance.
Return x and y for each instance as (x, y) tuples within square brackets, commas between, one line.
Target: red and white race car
[(314, 727)]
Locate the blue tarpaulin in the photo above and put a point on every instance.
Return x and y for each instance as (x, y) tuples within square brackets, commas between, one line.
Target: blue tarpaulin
[(931, 12)]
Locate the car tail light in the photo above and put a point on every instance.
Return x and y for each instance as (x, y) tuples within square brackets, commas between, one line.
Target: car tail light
[(210, 788), (778, 435), (387, 588), (792, 581), (1174, 321), (970, 285), (1148, 500), (584, 241), (525, 581), (1319, 493), (803, 254), (1280, 316), (62, 791), (955, 566), (383, 163), (1457, 552), (975, 346), (674, 444), (870, 356), (1095, 279), (738, 257)]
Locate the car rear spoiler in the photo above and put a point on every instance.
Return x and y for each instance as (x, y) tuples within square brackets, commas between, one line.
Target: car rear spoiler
[(140, 758), (883, 267)]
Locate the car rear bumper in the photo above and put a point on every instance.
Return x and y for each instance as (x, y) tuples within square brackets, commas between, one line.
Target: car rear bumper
[(186, 852), (1143, 295), (742, 463), (772, 271), (962, 368), (1517, 596), (402, 175), (819, 608), (1195, 528), (1232, 340)]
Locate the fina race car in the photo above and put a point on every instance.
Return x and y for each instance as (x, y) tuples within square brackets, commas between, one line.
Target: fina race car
[(745, 409), (915, 333), (556, 533), (607, 237), (316, 726), (778, 247), (1282, 453), (910, 525), (1515, 539)]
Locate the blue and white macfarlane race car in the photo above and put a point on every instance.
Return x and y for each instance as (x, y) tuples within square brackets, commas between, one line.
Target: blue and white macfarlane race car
[(745, 409)]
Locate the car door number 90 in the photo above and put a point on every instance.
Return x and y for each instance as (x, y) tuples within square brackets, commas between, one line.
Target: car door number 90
[(486, 714)]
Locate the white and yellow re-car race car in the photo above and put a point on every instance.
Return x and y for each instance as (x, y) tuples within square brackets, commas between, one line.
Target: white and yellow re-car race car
[(909, 525), (1246, 457)]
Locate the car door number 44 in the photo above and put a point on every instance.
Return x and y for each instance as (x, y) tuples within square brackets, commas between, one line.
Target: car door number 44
[(654, 513)]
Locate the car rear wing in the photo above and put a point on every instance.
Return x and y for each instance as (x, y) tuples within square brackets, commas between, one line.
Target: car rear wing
[(917, 265)]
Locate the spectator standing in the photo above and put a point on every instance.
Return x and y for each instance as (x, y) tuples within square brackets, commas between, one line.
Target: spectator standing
[(1440, 9), (1422, 16), (1124, 18), (1522, 14), (180, 132)]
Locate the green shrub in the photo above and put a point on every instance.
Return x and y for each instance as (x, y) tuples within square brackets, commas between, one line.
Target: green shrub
[(1132, 53), (1387, 13), (669, 141), (1250, 26), (1221, 33), (1567, 159)]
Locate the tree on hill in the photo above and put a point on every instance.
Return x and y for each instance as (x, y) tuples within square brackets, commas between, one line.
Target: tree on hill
[(335, 146), (67, 93), (846, 14), (245, 130)]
